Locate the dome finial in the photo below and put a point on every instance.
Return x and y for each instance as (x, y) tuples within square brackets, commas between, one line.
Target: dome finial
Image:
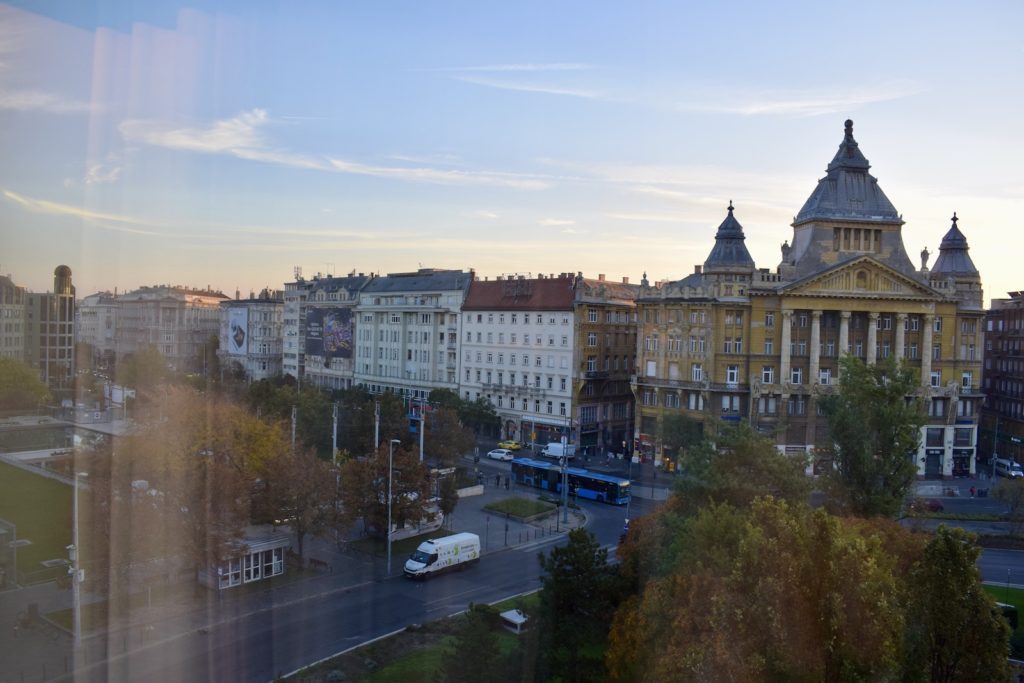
[(954, 219), (849, 128), (730, 206)]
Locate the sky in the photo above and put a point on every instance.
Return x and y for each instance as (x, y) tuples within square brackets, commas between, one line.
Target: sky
[(224, 144)]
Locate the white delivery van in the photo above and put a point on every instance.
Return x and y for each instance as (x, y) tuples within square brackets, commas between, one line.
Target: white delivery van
[(556, 450), (1008, 468), (438, 555)]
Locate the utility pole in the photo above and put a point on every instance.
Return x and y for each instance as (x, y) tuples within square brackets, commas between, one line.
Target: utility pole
[(423, 428), (295, 416), (334, 432), (391, 456), (565, 483), (376, 425), (995, 448)]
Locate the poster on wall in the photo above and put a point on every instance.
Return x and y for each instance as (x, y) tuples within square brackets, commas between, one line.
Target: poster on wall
[(329, 333), (238, 331)]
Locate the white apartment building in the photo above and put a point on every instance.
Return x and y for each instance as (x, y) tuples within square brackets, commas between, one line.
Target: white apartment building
[(517, 352), (250, 335), (407, 332), (96, 323), (294, 324)]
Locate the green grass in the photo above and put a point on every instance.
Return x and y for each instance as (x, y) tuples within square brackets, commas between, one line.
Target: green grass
[(1011, 596), (420, 666), (378, 547), (41, 509), (519, 507)]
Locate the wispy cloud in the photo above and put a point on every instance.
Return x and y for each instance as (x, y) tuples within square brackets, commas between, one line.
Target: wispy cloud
[(809, 102), (557, 221), (124, 223), (523, 86), (489, 215), (37, 100), (556, 66), (647, 217), (573, 231), (441, 176), (242, 137)]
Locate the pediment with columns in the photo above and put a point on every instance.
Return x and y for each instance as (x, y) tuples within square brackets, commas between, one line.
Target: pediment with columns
[(864, 278)]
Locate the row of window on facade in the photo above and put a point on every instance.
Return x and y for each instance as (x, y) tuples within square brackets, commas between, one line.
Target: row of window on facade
[(486, 377), (829, 319), (538, 339), (502, 402), (795, 404), (827, 348), (514, 318)]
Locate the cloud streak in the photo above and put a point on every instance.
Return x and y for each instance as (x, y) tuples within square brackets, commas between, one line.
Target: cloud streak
[(57, 209), (801, 102), (37, 100), (522, 86), (242, 137)]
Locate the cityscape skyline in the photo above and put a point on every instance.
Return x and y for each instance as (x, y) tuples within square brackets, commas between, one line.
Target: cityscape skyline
[(223, 146)]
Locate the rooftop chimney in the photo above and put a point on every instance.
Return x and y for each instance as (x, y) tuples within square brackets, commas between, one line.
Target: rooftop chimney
[(601, 277), (696, 270), (625, 280)]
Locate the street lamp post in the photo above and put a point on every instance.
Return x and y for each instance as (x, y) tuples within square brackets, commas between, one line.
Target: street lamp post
[(75, 570), (391, 457), (995, 448)]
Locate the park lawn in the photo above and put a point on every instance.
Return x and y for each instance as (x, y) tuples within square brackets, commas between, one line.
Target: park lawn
[(1011, 596), (519, 507), (41, 509), (419, 666), (378, 547)]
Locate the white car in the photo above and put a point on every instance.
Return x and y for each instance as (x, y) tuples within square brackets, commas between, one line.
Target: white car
[(502, 454)]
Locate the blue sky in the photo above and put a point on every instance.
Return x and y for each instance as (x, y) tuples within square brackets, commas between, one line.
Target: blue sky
[(225, 143)]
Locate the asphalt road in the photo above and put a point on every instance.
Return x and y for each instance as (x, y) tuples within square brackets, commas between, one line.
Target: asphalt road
[(280, 638)]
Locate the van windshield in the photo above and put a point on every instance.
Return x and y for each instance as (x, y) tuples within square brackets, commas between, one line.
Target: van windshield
[(420, 556)]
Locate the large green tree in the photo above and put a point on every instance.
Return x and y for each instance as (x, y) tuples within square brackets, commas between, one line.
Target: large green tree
[(771, 592), (364, 489), (303, 489), (1010, 492), (144, 370), (954, 632), (446, 440), (20, 386), (736, 467), (579, 593), (874, 421), (475, 654), (679, 431)]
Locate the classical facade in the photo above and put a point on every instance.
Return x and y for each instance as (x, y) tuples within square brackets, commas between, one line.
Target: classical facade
[(407, 332), (604, 333), (1003, 380), (517, 352), (50, 331), (250, 335), (734, 342), (178, 321)]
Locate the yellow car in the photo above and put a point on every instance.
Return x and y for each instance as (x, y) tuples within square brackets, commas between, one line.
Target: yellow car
[(510, 445)]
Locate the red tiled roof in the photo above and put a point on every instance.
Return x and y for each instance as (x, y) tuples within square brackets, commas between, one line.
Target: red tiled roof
[(548, 294)]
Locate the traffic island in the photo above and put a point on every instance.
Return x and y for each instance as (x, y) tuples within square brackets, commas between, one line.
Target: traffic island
[(522, 510)]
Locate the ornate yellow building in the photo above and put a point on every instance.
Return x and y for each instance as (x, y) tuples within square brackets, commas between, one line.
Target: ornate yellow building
[(733, 342)]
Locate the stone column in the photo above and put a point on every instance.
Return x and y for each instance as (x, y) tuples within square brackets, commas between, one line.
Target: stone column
[(815, 346), (872, 354), (787, 332), (901, 335), (844, 332), (926, 351)]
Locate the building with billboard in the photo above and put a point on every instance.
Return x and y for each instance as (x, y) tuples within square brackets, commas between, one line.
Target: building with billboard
[(328, 338), (251, 335)]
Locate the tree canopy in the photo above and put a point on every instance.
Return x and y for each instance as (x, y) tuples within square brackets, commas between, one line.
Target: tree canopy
[(20, 386), (874, 420), (364, 490)]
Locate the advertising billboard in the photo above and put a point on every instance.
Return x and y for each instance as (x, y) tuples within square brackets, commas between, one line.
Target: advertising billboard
[(238, 331), (329, 333)]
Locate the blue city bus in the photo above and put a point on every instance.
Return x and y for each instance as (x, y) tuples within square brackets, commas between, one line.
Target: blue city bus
[(583, 484)]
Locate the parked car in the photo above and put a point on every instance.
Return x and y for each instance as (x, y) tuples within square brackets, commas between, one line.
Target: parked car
[(502, 454), (935, 506), (510, 445)]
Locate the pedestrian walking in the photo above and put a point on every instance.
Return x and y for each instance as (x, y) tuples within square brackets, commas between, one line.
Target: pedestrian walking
[(972, 492), (497, 481), (506, 483)]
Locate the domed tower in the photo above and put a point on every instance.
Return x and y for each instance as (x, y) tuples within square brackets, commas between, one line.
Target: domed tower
[(729, 256), (954, 272), (846, 217), (62, 281)]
